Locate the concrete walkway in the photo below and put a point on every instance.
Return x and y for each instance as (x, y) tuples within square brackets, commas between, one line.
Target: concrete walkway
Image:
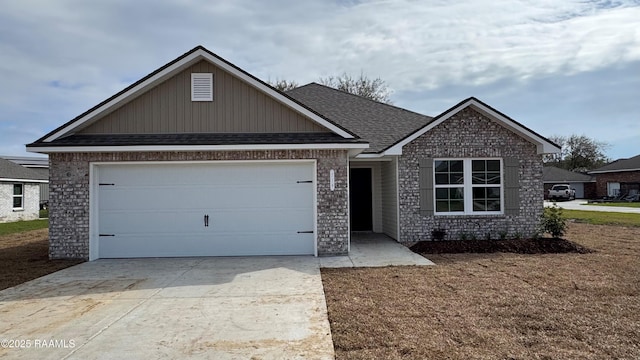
[(374, 250), (581, 205), (203, 308)]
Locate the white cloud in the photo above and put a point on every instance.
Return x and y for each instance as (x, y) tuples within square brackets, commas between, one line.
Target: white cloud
[(59, 58)]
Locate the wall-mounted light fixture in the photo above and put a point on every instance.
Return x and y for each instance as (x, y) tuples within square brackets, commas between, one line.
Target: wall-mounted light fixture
[(332, 180)]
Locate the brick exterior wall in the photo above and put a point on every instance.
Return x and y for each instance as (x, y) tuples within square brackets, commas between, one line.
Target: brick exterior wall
[(69, 194), (469, 134), (30, 202), (629, 177)]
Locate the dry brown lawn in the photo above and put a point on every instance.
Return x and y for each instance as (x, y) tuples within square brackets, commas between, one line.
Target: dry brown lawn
[(25, 256), (495, 306)]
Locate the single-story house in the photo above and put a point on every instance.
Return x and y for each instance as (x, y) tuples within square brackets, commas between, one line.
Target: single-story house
[(201, 158), (39, 165), (620, 177), (19, 192), (584, 184)]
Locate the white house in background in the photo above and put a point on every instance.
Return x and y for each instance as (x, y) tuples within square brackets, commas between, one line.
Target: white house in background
[(19, 192), (40, 165)]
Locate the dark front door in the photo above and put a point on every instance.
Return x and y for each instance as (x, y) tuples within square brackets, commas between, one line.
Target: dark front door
[(360, 199)]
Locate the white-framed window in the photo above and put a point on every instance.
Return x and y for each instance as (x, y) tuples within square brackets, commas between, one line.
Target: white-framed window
[(18, 196), (468, 186)]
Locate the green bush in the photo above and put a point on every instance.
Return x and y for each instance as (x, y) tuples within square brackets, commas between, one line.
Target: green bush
[(553, 222)]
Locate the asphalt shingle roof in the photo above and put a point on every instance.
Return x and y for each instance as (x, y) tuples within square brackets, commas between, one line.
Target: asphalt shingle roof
[(10, 170), (382, 125), (620, 165), (557, 175), (198, 139)]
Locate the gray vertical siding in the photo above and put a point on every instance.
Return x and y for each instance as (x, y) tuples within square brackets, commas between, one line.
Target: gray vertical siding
[(389, 197), (44, 192), (236, 108)]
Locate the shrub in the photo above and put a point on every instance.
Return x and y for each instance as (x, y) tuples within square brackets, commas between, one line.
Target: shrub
[(503, 234), (553, 222)]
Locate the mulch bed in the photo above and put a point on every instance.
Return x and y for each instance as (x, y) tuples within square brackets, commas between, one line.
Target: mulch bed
[(518, 246)]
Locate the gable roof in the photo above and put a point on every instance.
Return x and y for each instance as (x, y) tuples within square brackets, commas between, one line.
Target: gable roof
[(189, 58), (552, 174), (543, 144), (382, 125), (30, 162), (630, 164), (10, 171)]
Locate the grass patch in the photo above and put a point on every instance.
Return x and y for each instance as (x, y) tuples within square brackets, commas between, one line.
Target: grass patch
[(44, 214), (603, 218), (21, 226), (620, 204)]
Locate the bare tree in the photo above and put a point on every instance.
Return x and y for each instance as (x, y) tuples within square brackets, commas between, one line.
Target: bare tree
[(578, 153), (283, 85), (374, 89)]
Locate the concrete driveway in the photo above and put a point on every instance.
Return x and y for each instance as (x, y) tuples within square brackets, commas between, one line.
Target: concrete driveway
[(218, 308), (580, 204)]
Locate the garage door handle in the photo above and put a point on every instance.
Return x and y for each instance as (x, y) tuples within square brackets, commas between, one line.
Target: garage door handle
[(206, 221), (305, 232)]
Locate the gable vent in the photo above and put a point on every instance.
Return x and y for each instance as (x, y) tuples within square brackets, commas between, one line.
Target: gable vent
[(201, 87)]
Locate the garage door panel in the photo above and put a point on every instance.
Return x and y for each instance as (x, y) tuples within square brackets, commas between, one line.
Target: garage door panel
[(150, 221), (151, 198), (276, 220), (158, 210), (263, 220), (174, 245)]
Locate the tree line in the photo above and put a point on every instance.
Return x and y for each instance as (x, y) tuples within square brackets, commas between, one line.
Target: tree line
[(374, 89)]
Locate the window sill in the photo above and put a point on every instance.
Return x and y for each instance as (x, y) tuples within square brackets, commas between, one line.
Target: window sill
[(18, 209), (484, 214)]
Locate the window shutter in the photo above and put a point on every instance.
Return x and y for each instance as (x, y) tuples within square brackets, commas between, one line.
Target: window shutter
[(201, 87), (511, 186), (426, 186)]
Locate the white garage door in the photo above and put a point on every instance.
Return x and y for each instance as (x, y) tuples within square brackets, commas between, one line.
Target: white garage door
[(205, 209), (579, 189)]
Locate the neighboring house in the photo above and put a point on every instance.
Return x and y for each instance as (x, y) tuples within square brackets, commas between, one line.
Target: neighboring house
[(39, 165), (620, 177), (200, 158), (19, 192), (585, 185)]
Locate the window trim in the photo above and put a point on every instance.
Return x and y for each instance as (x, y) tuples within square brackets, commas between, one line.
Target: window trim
[(468, 187), (21, 196)]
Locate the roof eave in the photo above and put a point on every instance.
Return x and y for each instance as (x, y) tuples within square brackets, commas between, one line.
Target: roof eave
[(611, 171), (23, 180), (43, 149)]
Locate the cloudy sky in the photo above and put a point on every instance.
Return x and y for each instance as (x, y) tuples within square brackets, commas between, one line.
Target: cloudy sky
[(559, 67)]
